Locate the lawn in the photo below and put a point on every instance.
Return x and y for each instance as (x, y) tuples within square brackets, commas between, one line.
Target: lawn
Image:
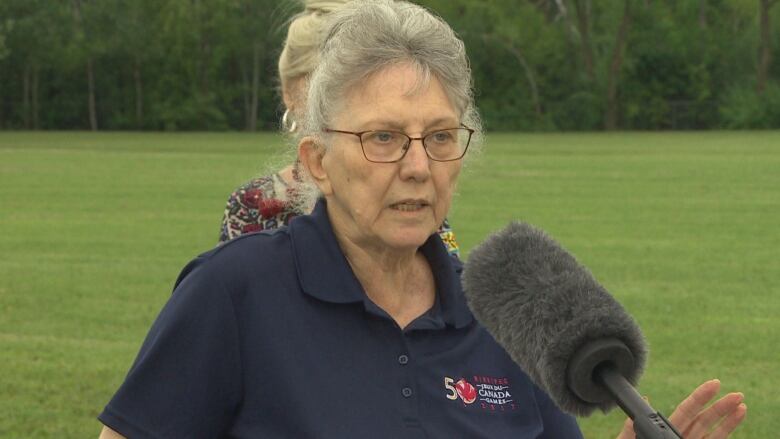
[(683, 228)]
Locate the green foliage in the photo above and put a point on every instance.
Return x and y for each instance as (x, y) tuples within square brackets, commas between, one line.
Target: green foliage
[(168, 64), (579, 111), (189, 64), (743, 108), (198, 112)]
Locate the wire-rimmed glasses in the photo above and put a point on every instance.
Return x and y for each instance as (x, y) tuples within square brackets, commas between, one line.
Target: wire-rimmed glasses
[(386, 146)]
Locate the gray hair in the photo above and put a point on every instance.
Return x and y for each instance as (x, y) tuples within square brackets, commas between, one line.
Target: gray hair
[(366, 36)]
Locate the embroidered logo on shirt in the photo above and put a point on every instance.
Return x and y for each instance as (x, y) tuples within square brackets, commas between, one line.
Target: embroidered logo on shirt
[(462, 389), (490, 393)]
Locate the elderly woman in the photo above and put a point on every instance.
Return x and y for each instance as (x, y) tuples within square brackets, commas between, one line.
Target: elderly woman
[(272, 200), (351, 323)]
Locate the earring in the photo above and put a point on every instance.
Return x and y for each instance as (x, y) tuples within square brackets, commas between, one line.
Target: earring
[(286, 125)]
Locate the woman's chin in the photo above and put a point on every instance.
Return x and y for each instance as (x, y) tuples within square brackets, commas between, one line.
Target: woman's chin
[(409, 238)]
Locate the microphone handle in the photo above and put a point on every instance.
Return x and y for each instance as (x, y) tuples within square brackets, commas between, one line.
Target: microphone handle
[(648, 423)]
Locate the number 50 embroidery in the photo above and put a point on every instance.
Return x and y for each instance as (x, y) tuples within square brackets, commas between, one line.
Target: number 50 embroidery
[(462, 388)]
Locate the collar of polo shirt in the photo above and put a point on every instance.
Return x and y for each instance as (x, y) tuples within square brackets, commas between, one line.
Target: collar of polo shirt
[(325, 274)]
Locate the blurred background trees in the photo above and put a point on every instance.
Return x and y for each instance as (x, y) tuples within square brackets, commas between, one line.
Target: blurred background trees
[(538, 64)]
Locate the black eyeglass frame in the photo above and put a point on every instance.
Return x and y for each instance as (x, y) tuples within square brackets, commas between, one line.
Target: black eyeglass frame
[(405, 148)]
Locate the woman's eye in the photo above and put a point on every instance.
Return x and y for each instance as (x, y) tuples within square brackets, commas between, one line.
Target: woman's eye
[(382, 137), (442, 136)]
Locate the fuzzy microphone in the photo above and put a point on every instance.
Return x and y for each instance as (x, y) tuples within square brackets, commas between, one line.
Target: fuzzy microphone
[(570, 336)]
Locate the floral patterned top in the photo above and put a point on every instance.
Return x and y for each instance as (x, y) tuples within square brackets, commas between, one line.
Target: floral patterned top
[(266, 203)]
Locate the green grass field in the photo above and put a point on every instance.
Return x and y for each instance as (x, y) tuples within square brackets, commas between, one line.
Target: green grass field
[(683, 228)]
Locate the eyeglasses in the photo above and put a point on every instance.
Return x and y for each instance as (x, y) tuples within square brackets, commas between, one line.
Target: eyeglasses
[(381, 146)]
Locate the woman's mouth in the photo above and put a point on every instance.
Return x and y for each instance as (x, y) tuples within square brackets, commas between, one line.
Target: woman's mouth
[(409, 205)]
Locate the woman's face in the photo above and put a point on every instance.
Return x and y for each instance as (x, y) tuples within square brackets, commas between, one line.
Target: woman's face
[(389, 206)]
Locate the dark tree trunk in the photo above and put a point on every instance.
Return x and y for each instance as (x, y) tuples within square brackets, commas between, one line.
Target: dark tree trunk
[(252, 126), (703, 14), (34, 96), (93, 124), (205, 54), (90, 71), (2, 105), (247, 93), (204, 50), (139, 94), (765, 45), (613, 74), (583, 26), (26, 97)]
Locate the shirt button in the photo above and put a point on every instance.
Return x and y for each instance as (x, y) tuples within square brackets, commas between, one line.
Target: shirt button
[(406, 392), (403, 360)]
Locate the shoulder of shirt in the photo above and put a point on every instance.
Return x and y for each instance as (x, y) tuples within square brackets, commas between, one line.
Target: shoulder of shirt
[(248, 251), (257, 183), (265, 184)]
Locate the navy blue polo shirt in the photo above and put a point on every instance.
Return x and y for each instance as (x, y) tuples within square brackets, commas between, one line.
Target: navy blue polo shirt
[(271, 336)]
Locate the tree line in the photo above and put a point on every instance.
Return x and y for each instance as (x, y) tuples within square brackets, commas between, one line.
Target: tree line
[(537, 64)]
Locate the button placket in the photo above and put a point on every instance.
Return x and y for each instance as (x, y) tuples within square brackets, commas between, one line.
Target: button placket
[(408, 390)]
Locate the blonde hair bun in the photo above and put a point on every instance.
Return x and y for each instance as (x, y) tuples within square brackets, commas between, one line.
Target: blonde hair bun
[(301, 49)]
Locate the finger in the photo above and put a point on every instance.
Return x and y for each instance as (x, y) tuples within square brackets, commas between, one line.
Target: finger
[(730, 423), (628, 430), (685, 413), (714, 414), (719, 411)]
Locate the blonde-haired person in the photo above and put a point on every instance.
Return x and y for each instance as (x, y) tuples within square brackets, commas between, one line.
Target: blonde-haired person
[(271, 201)]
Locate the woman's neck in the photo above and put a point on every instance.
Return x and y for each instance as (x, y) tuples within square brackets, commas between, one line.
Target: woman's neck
[(401, 283)]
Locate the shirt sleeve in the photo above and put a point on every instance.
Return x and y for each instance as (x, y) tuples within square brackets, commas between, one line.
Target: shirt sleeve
[(186, 380)]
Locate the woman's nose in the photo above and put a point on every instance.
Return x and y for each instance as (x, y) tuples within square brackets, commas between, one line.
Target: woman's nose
[(416, 163)]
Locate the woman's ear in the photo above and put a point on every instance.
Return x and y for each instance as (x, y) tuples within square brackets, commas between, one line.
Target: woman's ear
[(311, 154)]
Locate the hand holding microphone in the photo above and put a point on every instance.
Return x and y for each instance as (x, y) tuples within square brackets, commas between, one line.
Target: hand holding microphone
[(564, 329)]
